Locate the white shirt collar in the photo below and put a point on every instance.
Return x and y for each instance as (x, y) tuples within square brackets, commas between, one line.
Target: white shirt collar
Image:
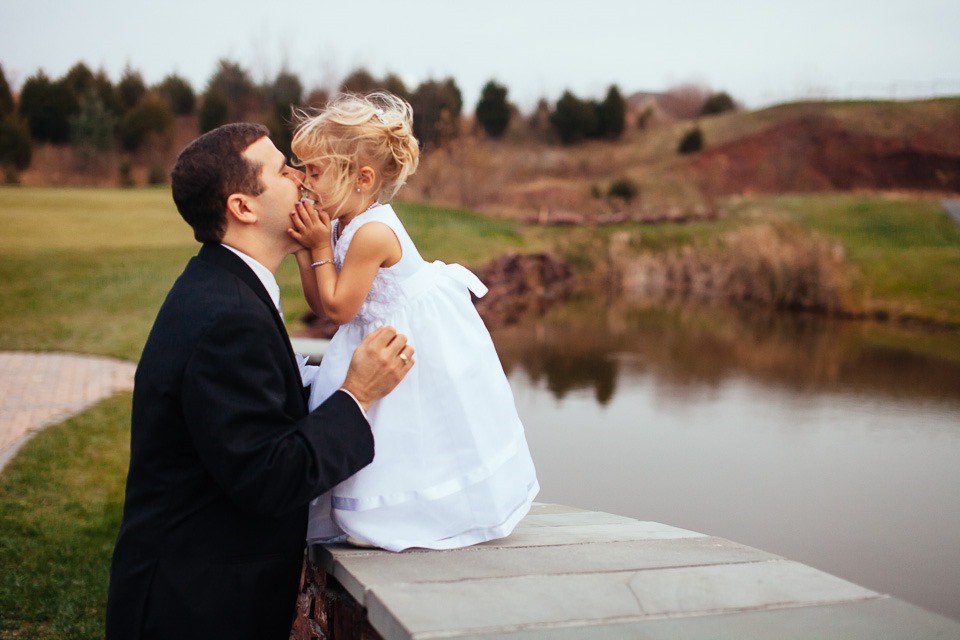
[(265, 275)]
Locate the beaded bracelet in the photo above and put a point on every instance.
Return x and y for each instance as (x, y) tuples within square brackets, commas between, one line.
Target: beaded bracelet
[(319, 263)]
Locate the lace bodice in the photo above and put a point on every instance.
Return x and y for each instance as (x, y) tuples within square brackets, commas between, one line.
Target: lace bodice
[(385, 292)]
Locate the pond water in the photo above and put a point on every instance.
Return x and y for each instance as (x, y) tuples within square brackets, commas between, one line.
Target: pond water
[(829, 443)]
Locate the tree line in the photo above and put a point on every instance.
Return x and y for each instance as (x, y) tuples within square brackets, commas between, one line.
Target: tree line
[(86, 110)]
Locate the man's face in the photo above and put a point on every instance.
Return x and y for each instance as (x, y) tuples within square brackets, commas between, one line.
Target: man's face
[(281, 184)]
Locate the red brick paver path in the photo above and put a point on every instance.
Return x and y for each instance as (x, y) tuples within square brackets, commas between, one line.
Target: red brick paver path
[(40, 389)]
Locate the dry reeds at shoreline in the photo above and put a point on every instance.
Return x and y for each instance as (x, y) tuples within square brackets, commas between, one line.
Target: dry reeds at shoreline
[(770, 265)]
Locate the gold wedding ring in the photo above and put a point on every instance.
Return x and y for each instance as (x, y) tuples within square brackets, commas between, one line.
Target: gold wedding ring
[(403, 357)]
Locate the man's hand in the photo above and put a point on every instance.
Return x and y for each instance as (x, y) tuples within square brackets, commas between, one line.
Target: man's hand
[(378, 365)]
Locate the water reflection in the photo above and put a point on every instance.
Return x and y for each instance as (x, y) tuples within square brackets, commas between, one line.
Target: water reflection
[(588, 345), (836, 444), (564, 369)]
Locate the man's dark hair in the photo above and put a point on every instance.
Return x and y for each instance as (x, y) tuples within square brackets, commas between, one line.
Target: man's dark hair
[(211, 168)]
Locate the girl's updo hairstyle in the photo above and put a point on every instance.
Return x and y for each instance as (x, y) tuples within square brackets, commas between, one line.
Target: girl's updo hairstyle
[(353, 131)]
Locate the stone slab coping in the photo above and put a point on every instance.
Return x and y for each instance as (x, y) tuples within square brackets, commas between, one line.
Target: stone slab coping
[(569, 573)]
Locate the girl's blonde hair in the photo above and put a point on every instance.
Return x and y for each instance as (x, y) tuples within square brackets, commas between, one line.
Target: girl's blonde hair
[(353, 131)]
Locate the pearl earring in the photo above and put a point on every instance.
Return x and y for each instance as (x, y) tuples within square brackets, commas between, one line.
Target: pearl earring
[(358, 189)]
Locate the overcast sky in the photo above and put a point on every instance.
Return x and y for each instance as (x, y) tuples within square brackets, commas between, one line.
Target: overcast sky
[(760, 51)]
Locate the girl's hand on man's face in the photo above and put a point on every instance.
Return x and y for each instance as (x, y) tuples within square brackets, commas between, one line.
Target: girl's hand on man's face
[(311, 225)]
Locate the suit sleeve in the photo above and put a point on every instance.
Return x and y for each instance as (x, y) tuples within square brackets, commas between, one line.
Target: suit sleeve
[(236, 405)]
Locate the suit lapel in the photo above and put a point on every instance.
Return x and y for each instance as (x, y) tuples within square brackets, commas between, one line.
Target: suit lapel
[(216, 254)]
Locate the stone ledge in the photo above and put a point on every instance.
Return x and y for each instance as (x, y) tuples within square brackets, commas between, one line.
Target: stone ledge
[(569, 573)]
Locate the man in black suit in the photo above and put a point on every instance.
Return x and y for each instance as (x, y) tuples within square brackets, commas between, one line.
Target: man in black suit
[(224, 456)]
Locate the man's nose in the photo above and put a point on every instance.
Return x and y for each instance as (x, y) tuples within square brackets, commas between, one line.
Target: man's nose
[(298, 176)]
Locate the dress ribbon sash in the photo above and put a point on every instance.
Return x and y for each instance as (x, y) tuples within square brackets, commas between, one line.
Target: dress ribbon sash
[(415, 284)]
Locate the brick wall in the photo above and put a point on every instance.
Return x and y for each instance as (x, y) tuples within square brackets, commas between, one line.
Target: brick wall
[(325, 611)]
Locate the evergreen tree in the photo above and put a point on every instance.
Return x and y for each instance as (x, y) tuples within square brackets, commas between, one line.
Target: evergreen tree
[(107, 92), (178, 93), (359, 81), (539, 120), (83, 83), (233, 84), (436, 111), (317, 98), (80, 80), (362, 82), (6, 96), (392, 83), (151, 116), (131, 89), (92, 131), (214, 111), (573, 119), (47, 107), (612, 114), (493, 110), (286, 92), (92, 128)]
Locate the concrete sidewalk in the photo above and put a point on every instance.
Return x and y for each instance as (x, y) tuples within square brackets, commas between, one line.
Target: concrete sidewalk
[(40, 389)]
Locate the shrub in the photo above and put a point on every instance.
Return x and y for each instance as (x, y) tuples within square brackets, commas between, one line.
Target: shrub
[(644, 118), (125, 171), (691, 142), (624, 189), (717, 103), (15, 147), (10, 176), (156, 175)]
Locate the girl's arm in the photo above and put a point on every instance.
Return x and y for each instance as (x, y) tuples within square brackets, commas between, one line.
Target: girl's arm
[(309, 281), (373, 246)]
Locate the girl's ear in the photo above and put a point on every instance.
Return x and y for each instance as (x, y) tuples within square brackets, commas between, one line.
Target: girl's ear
[(239, 208), (367, 178)]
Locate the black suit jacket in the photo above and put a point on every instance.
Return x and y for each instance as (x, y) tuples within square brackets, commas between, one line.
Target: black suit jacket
[(224, 459)]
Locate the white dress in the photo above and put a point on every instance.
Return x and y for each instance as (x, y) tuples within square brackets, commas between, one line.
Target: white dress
[(451, 467)]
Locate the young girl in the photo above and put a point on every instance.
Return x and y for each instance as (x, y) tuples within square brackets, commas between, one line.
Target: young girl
[(452, 466)]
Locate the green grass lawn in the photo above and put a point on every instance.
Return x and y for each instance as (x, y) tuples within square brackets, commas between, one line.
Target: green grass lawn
[(85, 270), (60, 504)]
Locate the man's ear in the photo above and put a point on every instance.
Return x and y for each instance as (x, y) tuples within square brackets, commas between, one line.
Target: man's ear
[(238, 207)]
